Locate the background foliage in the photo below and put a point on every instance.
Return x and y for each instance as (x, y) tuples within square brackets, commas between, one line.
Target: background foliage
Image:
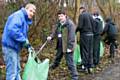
[(46, 17)]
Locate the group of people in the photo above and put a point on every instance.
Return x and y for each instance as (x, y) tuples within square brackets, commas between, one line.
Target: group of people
[(92, 27), (15, 38)]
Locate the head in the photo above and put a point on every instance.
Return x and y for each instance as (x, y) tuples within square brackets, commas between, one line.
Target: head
[(95, 11), (61, 16), (108, 19), (30, 9), (82, 9)]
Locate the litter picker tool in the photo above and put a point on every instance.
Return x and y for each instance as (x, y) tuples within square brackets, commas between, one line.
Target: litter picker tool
[(41, 48)]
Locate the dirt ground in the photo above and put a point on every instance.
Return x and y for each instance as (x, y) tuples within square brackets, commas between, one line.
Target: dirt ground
[(111, 72)]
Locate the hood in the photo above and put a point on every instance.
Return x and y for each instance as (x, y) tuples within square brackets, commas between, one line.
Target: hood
[(109, 20)]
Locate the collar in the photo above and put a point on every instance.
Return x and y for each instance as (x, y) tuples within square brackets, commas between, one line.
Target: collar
[(29, 21)]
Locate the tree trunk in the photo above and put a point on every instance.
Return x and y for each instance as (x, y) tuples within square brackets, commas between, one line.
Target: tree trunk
[(76, 14), (101, 8)]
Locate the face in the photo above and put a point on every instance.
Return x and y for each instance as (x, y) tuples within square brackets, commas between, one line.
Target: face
[(94, 10), (31, 12), (62, 17), (81, 10)]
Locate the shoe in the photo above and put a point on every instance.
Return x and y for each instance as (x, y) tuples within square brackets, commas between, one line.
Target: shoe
[(90, 70), (111, 56), (82, 68)]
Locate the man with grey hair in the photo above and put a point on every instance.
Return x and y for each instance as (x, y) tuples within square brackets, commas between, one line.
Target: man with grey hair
[(14, 38)]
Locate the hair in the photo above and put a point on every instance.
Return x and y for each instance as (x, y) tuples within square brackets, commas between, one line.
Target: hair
[(30, 5), (108, 19), (61, 11), (82, 6)]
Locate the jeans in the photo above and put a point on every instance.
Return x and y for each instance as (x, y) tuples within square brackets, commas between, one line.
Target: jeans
[(69, 61), (12, 61), (71, 66)]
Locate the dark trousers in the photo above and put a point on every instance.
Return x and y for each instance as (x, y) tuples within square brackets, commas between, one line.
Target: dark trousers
[(86, 48), (111, 40), (112, 48), (96, 49), (69, 61)]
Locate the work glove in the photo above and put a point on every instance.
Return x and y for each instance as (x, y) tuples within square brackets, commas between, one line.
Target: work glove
[(28, 46), (49, 38), (31, 50)]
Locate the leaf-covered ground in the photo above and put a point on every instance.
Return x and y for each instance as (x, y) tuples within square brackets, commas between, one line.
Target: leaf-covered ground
[(108, 69)]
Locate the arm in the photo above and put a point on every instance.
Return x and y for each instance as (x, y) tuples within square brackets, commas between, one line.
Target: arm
[(71, 36), (14, 30), (80, 23), (53, 31), (105, 29)]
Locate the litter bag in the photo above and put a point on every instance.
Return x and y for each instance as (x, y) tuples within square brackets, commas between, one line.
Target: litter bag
[(101, 49), (35, 69), (77, 55)]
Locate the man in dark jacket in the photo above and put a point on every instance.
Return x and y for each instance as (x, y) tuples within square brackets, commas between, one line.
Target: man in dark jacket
[(14, 38), (111, 30), (85, 27), (65, 32)]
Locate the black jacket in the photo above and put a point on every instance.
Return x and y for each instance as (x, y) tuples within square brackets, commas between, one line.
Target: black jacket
[(85, 23), (110, 27)]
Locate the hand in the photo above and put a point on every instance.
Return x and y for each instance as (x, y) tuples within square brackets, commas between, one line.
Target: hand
[(69, 50), (31, 50), (49, 38), (26, 44)]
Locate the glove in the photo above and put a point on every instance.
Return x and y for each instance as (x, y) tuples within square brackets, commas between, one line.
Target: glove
[(49, 38), (31, 50), (69, 50), (26, 44)]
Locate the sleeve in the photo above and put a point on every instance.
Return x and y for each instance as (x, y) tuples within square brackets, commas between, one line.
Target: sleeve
[(80, 23), (105, 29), (15, 30), (71, 39), (93, 24), (54, 28)]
